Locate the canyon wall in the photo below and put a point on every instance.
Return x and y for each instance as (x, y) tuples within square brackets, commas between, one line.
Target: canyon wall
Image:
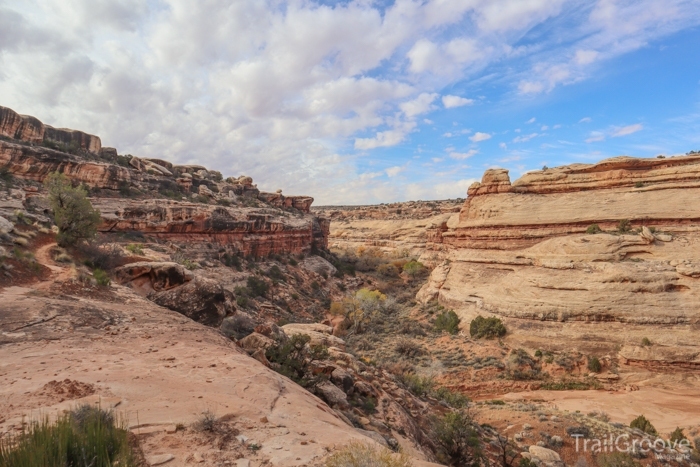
[(183, 203), (521, 251)]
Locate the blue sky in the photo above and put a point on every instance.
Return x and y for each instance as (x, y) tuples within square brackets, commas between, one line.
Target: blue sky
[(361, 101)]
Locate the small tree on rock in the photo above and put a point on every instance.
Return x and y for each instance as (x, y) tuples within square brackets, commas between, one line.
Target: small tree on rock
[(73, 213)]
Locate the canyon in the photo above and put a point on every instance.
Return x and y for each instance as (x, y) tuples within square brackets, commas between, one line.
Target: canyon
[(184, 302)]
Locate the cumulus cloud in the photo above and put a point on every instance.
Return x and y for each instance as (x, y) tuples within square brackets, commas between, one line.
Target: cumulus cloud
[(296, 93), (463, 155), (479, 136), (455, 101)]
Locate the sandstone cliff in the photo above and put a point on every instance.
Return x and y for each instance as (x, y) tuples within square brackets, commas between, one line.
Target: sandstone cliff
[(520, 251)]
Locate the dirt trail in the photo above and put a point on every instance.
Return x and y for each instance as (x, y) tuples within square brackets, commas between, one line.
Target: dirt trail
[(58, 273)]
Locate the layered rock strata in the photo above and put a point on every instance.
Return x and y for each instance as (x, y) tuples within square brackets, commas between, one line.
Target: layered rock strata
[(520, 251)]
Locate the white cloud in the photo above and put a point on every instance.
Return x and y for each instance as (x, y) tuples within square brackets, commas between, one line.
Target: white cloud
[(503, 146), (422, 104), (394, 171), (544, 128), (455, 101), (532, 120), (585, 120), (595, 136), (479, 136), (463, 155), (627, 130), (585, 57), (525, 138)]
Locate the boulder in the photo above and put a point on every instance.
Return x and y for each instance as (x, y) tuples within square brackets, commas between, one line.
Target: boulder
[(272, 331), (205, 191), (6, 226), (202, 300), (332, 395), (255, 341), (373, 435), (161, 275), (342, 379), (323, 337), (647, 235), (547, 456), (319, 265)]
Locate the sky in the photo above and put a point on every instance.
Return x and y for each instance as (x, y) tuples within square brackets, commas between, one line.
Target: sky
[(364, 101)]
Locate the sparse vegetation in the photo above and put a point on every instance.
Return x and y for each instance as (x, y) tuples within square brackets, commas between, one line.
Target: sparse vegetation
[(447, 321), (207, 422), (414, 269), (292, 359), (87, 436), (73, 214), (101, 277), (486, 328), (457, 440), (616, 459), (677, 435), (135, 248), (257, 287), (593, 229), (594, 365), (641, 423), (624, 226), (357, 454), (646, 342)]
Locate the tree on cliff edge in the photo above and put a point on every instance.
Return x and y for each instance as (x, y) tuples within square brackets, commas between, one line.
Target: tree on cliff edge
[(73, 213)]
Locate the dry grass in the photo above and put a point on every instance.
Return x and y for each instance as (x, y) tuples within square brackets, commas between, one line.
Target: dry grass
[(357, 454)]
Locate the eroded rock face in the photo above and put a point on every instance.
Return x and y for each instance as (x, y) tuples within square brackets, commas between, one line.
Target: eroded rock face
[(251, 231), (31, 130), (153, 276), (202, 300), (520, 251)]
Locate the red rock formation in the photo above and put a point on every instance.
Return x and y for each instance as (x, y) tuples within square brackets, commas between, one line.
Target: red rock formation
[(31, 130), (36, 163), (251, 231)]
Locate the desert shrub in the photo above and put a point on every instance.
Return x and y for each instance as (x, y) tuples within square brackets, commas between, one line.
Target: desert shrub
[(641, 423), (293, 262), (408, 348), (206, 422), (570, 385), (457, 440), (223, 202), (526, 463), (452, 398), (256, 286), (292, 359), (73, 213), (639, 185), (276, 274), (646, 342), (357, 454), (594, 365), (624, 226), (486, 328), (237, 326), (232, 261), (538, 353), (87, 436), (520, 366), (134, 248), (593, 229), (414, 269), (423, 386), (101, 277), (388, 271), (616, 459), (447, 321), (677, 435), (242, 301)]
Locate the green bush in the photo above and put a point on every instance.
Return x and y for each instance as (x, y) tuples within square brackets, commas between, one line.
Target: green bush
[(457, 440), (486, 328), (641, 423), (593, 229), (232, 261), (424, 386), (292, 359), (256, 286), (646, 342), (447, 321), (677, 435), (388, 271), (87, 436), (414, 268), (101, 277), (639, 185), (135, 248), (276, 274), (73, 213), (594, 365), (624, 226)]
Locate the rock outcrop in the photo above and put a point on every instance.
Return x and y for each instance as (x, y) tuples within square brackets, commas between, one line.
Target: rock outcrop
[(520, 251), (29, 129), (250, 231)]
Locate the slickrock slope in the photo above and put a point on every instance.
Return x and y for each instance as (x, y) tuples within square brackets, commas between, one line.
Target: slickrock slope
[(395, 227), (159, 369), (520, 251)]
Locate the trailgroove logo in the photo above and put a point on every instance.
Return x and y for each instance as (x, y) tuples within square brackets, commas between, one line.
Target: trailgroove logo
[(663, 449)]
